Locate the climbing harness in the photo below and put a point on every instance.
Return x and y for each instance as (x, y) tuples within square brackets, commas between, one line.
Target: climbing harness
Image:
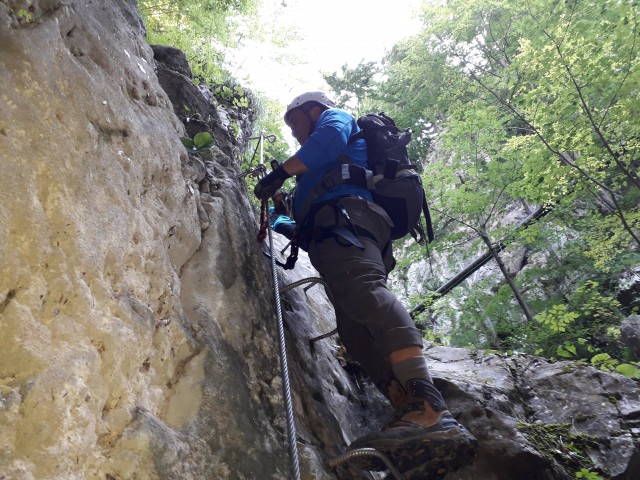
[(365, 452), (265, 230)]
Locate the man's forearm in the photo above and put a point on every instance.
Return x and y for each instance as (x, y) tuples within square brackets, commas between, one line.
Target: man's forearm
[(294, 166)]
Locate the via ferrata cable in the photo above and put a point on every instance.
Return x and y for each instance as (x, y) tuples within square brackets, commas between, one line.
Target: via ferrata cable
[(286, 388)]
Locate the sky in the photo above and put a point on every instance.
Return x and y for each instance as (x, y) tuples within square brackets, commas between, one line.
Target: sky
[(325, 35)]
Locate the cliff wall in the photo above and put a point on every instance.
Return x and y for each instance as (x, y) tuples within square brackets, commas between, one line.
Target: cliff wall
[(137, 328)]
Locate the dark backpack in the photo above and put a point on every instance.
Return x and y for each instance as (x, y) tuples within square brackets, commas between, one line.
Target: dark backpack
[(395, 183)]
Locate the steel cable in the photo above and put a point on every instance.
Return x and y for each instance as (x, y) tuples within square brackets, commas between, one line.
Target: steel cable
[(286, 388)]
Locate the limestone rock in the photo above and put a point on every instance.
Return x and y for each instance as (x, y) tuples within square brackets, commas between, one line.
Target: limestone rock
[(117, 360), (528, 415), (137, 311), (172, 59), (630, 334)]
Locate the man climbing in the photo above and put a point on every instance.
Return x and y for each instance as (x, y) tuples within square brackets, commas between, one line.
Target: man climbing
[(347, 237)]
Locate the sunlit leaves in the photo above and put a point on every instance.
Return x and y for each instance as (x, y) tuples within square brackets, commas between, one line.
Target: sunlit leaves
[(200, 28), (608, 239), (558, 318), (628, 370), (353, 86), (568, 73)]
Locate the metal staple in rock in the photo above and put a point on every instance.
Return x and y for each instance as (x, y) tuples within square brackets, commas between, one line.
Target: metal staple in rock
[(312, 281), (297, 283), (365, 452)]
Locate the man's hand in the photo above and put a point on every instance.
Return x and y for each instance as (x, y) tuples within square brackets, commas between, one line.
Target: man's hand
[(270, 183)]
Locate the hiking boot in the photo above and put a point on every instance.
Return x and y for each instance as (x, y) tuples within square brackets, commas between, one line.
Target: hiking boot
[(397, 396), (426, 439)]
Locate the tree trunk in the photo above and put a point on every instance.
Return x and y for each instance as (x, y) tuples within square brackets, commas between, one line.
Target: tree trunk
[(480, 261), (514, 288)]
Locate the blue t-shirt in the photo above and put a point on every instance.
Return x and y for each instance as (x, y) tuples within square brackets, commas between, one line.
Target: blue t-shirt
[(321, 153)]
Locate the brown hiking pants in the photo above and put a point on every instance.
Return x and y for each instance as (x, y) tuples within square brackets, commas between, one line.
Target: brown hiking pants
[(371, 321)]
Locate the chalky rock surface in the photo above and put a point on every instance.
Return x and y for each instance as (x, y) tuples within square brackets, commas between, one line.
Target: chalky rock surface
[(138, 333), (133, 340)]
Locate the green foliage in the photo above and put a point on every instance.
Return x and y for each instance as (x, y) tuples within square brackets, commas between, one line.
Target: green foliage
[(433, 337), (567, 350), (411, 254), (24, 16), (200, 28), (201, 141), (233, 96), (585, 324), (591, 303), (575, 322), (558, 443), (588, 474), (269, 123), (354, 86), (471, 184), (557, 318), (605, 362), (629, 370), (608, 242), (487, 318), (563, 72)]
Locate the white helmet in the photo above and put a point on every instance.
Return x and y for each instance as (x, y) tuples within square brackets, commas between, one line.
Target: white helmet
[(319, 97)]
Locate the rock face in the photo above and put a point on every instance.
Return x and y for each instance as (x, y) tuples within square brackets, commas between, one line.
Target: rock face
[(133, 341), (138, 334), (630, 334)]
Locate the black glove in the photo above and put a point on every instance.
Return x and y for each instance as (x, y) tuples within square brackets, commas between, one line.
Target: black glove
[(270, 183)]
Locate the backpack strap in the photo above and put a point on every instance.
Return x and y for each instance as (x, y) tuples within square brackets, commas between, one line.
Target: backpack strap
[(348, 173), (417, 232), (427, 217)]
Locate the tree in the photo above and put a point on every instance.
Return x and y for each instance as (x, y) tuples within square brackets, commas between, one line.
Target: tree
[(562, 78), (200, 28), (566, 71), (471, 186), (354, 86), (414, 91)]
